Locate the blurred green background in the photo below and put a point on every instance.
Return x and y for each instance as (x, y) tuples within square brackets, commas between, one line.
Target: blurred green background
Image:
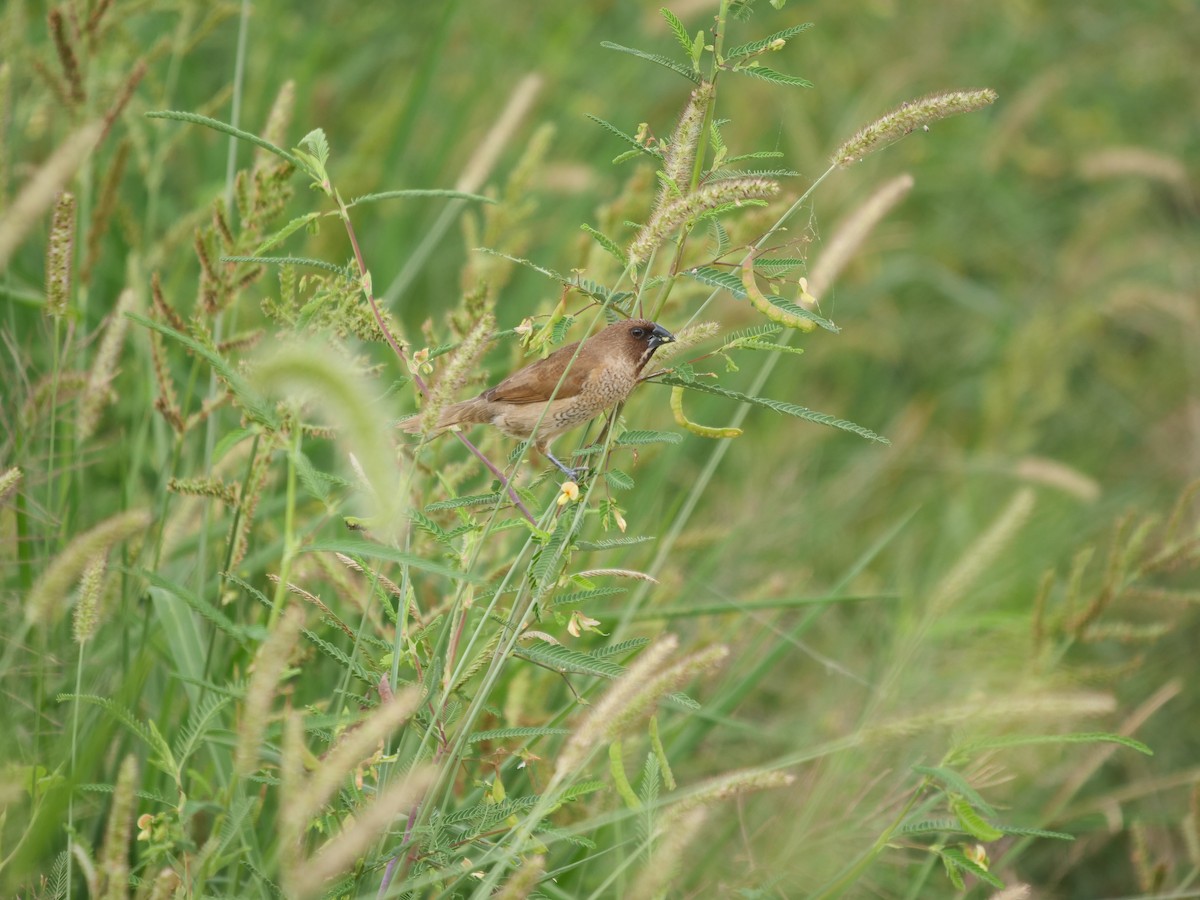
[(1028, 316)]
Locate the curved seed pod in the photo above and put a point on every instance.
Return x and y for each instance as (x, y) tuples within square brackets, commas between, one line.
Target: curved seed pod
[(759, 301), (701, 430)]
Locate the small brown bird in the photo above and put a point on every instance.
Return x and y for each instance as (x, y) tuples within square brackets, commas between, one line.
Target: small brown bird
[(605, 372)]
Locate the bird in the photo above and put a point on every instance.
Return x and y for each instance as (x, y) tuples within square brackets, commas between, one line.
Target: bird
[(573, 384)]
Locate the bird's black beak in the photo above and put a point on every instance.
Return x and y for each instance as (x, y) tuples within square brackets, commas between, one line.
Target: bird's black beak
[(660, 336)]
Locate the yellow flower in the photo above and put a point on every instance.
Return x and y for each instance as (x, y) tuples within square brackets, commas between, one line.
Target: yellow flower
[(977, 854), (420, 364), (570, 491), (580, 622)]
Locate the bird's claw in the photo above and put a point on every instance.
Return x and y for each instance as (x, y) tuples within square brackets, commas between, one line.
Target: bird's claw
[(572, 474)]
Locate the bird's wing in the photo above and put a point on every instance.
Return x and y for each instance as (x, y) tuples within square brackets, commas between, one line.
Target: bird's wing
[(536, 382)]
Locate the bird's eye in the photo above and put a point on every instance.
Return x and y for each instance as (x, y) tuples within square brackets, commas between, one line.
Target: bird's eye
[(638, 333)]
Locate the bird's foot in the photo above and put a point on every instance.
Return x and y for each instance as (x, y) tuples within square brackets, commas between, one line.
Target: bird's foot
[(572, 474)]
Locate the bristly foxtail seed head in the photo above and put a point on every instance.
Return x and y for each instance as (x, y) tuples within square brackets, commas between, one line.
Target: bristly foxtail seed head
[(98, 392), (456, 372), (91, 592), (690, 336), (681, 154), (112, 862), (663, 866), (663, 683), (59, 255), (908, 117), (9, 481), (670, 216), (46, 599), (278, 120), (270, 665)]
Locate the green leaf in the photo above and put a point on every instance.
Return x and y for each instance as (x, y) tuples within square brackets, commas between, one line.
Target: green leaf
[(788, 409), (426, 524), (1022, 831), (721, 237), (648, 787), (762, 72), (504, 734), (751, 344), (930, 826), (682, 700), (582, 789), (657, 58), (198, 726), (215, 125), (147, 731), (353, 666), (697, 49), (619, 648), (972, 822), (459, 502), (617, 160), (681, 34), (597, 291), (286, 231), (641, 438), (628, 138), (317, 144), (953, 826), (728, 280), (778, 264), (229, 441), (953, 783), (753, 333), (317, 483), (618, 480), (735, 206), (958, 859), (952, 873), (566, 661), (609, 543), (592, 594), (368, 550), (764, 43), (788, 307), (549, 558), (422, 192), (291, 261), (606, 242), (757, 154), (720, 151), (485, 815)]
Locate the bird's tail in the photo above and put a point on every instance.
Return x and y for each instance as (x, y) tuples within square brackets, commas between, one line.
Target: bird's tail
[(469, 412)]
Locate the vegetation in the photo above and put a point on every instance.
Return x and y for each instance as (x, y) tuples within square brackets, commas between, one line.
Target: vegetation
[(912, 619)]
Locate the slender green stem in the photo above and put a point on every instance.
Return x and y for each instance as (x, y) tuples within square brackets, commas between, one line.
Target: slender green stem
[(219, 323), (290, 542)]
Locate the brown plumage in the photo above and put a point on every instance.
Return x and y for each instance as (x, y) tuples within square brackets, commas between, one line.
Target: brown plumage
[(603, 374)]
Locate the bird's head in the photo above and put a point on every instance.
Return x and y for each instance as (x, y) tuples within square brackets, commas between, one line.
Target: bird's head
[(639, 338)]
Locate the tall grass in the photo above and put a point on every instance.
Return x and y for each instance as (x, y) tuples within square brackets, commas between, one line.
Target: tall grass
[(903, 615)]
